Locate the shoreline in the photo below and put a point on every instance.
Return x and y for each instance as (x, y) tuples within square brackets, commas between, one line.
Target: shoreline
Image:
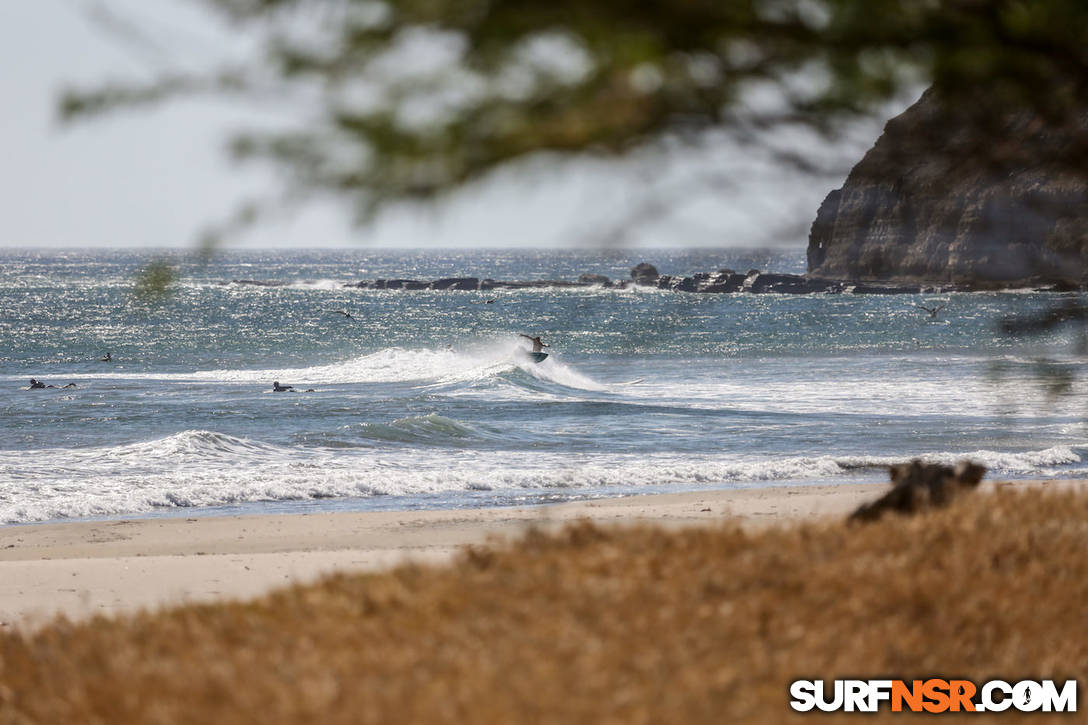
[(84, 568), (109, 567)]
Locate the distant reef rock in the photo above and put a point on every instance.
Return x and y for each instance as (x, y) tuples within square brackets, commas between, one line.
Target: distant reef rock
[(756, 282), (644, 274), (930, 204)]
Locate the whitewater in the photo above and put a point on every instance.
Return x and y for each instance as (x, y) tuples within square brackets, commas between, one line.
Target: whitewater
[(424, 398)]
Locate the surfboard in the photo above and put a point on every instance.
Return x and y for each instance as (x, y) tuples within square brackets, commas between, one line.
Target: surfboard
[(537, 356)]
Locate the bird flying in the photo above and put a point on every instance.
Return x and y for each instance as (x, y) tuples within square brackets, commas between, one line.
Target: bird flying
[(932, 310)]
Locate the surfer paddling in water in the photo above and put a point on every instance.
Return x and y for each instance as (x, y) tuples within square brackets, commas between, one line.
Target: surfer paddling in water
[(39, 385), (538, 346), (277, 388)]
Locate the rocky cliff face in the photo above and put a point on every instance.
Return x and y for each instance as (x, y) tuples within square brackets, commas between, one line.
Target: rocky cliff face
[(930, 203)]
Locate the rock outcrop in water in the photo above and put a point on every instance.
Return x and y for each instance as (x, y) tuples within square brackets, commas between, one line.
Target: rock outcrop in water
[(723, 281), (757, 282), (927, 204), (644, 273)]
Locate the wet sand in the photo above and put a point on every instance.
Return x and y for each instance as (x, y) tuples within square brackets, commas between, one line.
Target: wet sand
[(84, 568)]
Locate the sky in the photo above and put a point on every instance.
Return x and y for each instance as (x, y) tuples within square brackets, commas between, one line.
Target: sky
[(156, 177)]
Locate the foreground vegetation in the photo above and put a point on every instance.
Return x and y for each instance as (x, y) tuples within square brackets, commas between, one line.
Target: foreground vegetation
[(592, 624), (386, 103)]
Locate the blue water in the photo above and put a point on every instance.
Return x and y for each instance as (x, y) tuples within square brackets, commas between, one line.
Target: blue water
[(423, 399)]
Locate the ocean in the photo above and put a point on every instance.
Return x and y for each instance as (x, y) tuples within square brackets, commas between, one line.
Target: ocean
[(422, 399)]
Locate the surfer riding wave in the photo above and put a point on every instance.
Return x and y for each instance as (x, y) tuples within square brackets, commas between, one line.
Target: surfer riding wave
[(538, 346), (537, 355)]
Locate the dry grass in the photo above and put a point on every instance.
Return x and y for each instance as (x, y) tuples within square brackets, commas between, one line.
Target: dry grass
[(597, 625)]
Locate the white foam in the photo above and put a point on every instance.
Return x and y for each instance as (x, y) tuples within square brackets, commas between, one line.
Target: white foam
[(924, 392), (204, 468), (555, 371), (1040, 462), (392, 365), (318, 284)]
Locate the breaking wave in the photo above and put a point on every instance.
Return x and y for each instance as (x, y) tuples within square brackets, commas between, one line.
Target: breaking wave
[(200, 468), (392, 365)]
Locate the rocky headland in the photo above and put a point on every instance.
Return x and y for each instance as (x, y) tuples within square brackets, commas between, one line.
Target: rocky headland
[(938, 204), (935, 206), (936, 201)]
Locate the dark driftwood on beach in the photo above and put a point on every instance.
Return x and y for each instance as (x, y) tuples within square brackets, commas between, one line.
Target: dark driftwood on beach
[(917, 486)]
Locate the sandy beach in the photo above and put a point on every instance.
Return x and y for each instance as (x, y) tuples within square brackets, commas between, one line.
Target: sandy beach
[(83, 568)]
